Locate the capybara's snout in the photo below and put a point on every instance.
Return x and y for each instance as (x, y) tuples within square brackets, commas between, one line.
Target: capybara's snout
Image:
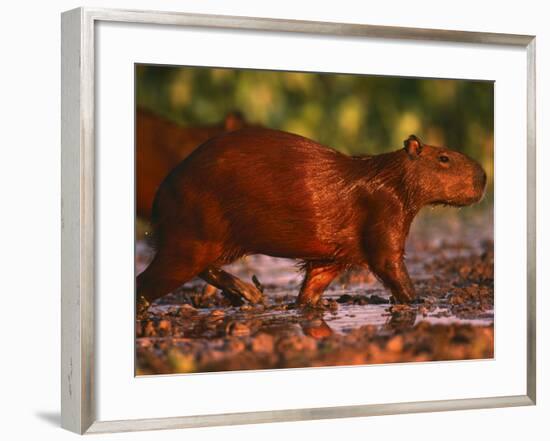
[(479, 183)]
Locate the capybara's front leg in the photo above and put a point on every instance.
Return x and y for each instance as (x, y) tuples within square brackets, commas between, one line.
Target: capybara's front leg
[(231, 286), (385, 251), (317, 279), (391, 270)]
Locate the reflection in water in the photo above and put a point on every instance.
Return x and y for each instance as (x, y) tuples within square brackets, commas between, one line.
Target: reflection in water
[(401, 318), (314, 326)]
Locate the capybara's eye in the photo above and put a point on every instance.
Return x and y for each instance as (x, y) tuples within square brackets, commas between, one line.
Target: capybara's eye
[(443, 158)]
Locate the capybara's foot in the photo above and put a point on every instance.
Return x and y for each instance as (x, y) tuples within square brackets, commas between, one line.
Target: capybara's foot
[(402, 300), (142, 305), (232, 287), (241, 291), (305, 302), (318, 278)]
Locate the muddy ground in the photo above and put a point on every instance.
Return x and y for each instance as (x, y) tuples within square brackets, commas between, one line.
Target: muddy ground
[(450, 259)]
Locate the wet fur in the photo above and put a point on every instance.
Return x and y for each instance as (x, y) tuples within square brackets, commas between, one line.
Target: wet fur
[(260, 191)]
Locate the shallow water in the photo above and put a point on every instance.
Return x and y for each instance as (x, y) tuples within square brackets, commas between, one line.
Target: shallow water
[(449, 260), (343, 320)]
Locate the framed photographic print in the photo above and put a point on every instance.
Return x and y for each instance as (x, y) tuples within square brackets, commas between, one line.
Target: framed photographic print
[(293, 230)]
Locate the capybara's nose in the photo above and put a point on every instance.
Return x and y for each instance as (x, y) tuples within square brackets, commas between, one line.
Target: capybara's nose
[(481, 178)]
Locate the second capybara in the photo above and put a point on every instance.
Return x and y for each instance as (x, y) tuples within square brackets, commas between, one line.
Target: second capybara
[(162, 144), (261, 191)]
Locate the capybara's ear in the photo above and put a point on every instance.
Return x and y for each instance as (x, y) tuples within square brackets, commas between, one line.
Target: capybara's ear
[(234, 121), (413, 145)]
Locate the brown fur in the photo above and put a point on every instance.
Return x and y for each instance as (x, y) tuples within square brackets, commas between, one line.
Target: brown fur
[(161, 145), (260, 191)]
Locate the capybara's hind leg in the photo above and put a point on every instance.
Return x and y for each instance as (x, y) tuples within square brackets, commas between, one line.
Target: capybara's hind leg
[(232, 287), (317, 279), (164, 274)]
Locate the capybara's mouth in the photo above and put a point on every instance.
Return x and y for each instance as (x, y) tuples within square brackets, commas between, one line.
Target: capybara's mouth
[(462, 202), (469, 201)]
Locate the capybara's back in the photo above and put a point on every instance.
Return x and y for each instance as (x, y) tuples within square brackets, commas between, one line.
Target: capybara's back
[(260, 191)]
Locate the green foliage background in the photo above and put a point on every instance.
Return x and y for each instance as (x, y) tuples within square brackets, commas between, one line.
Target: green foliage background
[(351, 113)]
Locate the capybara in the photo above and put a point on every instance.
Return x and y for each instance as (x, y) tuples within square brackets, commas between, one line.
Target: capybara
[(162, 144), (261, 191)]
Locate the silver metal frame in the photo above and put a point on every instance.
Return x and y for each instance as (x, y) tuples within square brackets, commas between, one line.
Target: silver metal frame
[(78, 403)]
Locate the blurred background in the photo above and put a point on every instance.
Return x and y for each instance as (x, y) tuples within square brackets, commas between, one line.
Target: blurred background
[(449, 252), (351, 113)]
